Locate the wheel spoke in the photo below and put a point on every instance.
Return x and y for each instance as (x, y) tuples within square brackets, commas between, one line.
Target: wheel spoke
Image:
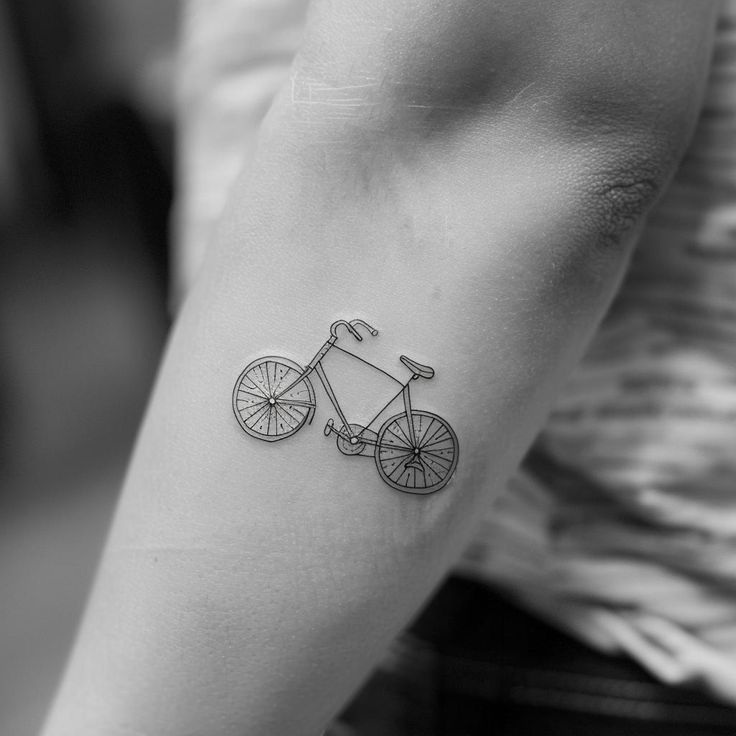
[(424, 438), (388, 467), (268, 378), (446, 438), (403, 444), (390, 464), (252, 393), (257, 406), (246, 416), (294, 419), (296, 402), (418, 430), (275, 373), (279, 423), (429, 462), (280, 412), (406, 436), (429, 469), (432, 436), (252, 420), (403, 452), (444, 453), (287, 372), (415, 473), (255, 385), (401, 467), (437, 458)]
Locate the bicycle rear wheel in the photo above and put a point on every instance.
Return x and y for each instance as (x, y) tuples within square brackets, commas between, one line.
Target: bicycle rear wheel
[(420, 464), (260, 407)]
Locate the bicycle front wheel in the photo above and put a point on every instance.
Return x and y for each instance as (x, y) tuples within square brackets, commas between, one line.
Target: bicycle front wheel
[(261, 406), (420, 463)]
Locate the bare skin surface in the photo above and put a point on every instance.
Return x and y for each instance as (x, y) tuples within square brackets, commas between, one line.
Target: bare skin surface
[(475, 199)]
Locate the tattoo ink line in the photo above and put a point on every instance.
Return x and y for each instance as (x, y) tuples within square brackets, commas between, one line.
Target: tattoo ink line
[(415, 451)]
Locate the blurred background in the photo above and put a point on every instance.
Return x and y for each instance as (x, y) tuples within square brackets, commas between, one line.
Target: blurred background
[(86, 110)]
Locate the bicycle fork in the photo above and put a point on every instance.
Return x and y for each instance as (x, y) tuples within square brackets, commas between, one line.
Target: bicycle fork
[(316, 365)]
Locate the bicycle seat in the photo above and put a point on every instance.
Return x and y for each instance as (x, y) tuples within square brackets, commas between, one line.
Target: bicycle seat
[(417, 368)]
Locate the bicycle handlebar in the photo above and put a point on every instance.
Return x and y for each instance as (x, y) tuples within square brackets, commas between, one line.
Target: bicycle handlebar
[(351, 326), (363, 323)]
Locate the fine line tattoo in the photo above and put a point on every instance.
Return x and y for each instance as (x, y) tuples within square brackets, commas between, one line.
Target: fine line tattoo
[(415, 451)]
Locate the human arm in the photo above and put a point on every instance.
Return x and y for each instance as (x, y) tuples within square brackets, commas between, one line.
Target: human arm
[(467, 178)]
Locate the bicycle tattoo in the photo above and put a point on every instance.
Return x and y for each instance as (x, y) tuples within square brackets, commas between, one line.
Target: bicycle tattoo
[(415, 451)]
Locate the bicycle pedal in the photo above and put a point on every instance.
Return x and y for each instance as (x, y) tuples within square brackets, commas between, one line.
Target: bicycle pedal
[(329, 427)]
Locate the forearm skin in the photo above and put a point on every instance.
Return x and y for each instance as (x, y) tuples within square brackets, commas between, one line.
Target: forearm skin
[(247, 587)]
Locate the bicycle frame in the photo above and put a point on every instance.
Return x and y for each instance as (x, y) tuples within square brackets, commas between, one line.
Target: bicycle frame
[(315, 365)]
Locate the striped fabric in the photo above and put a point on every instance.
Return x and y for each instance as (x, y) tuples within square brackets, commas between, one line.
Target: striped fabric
[(622, 526)]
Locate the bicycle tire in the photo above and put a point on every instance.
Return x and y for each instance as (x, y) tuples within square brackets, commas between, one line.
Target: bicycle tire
[(260, 410), (434, 446)]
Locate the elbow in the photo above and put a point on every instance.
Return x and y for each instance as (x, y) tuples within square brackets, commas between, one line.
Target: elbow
[(614, 184)]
